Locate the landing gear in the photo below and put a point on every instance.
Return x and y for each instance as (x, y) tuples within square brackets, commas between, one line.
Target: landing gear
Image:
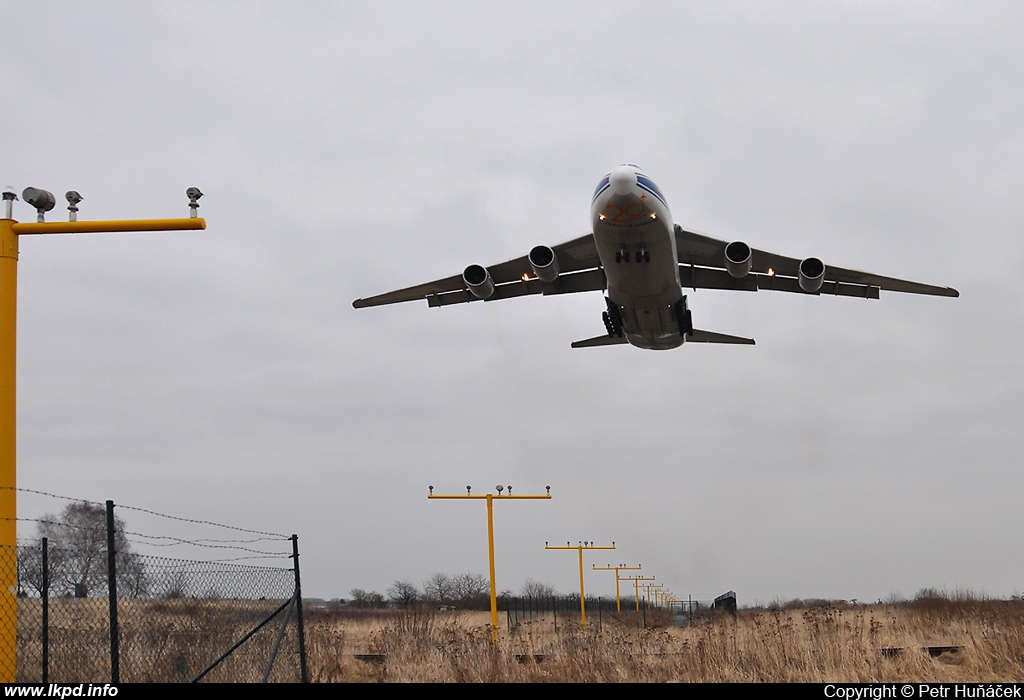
[(684, 317), (612, 319), (642, 254), (608, 323)]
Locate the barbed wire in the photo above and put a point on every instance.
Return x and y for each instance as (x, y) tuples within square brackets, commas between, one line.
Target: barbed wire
[(206, 522), (269, 569), (29, 542), (151, 512), (176, 540), (179, 541), (207, 539), (53, 522)]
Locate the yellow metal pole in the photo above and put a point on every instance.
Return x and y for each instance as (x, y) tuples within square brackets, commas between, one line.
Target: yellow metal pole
[(8, 452), (636, 586), (583, 595), (490, 498), (494, 587), (617, 569), (650, 593)]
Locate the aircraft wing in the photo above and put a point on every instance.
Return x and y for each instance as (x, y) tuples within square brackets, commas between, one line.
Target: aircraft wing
[(702, 265), (580, 271)]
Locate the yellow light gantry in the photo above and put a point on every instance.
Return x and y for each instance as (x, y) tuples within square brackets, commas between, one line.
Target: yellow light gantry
[(491, 498), (636, 586), (649, 589), (10, 231), (617, 569), (580, 547)]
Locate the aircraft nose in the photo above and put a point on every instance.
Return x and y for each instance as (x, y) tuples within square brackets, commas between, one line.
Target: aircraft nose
[(622, 179)]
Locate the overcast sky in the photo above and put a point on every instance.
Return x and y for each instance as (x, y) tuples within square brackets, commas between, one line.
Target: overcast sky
[(860, 449)]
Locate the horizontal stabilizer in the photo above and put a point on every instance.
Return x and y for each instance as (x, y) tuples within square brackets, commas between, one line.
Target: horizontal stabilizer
[(600, 340), (708, 337)]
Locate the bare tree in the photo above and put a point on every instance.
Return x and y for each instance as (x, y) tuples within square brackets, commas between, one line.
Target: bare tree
[(30, 568), (439, 588), (132, 578), (471, 590), (366, 599), (536, 589), (78, 548), (403, 593)]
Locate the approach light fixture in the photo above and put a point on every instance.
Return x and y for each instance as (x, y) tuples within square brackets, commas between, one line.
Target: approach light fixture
[(42, 200), (193, 195), (73, 199), (9, 196)]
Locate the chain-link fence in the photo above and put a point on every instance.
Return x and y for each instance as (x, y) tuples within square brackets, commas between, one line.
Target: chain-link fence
[(8, 611), (85, 616), (566, 610)]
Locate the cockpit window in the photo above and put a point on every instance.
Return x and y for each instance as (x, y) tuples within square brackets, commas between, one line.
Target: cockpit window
[(648, 184), (600, 187)]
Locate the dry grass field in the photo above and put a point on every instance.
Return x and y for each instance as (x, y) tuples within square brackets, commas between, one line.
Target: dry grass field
[(174, 640), (818, 644), (161, 641)]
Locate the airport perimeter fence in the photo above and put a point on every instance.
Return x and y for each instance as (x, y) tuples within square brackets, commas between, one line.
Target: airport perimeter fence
[(99, 612), (562, 610)]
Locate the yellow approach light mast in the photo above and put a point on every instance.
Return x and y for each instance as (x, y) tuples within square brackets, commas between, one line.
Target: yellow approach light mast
[(636, 586), (491, 498), (10, 232), (617, 569), (580, 547), (649, 589)]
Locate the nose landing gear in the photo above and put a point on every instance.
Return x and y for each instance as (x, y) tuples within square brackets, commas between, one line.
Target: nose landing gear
[(642, 254)]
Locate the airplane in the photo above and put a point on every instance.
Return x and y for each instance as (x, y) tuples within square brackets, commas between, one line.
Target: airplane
[(644, 262)]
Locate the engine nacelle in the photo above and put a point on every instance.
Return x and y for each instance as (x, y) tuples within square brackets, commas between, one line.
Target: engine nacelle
[(544, 263), (738, 259), (811, 274), (479, 281)]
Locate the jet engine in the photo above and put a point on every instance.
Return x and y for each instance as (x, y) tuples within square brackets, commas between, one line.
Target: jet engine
[(479, 281), (811, 274), (544, 263), (738, 259)]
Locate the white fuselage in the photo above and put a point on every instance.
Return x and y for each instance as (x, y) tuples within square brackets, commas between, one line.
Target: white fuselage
[(634, 233)]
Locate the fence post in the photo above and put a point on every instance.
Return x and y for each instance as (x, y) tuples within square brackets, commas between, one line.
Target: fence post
[(115, 661), (46, 611), (298, 602)]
